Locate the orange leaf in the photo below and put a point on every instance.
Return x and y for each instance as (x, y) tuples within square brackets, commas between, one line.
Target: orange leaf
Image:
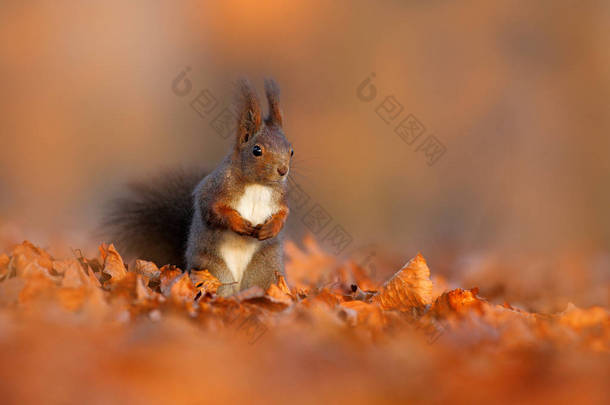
[(205, 281), (169, 275), (276, 294), (143, 293), (458, 302), (281, 283), (183, 290), (113, 263), (410, 287), (147, 269), (38, 287), (73, 273), (27, 253)]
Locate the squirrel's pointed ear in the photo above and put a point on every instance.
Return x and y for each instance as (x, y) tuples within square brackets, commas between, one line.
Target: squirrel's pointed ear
[(272, 90), (249, 111)]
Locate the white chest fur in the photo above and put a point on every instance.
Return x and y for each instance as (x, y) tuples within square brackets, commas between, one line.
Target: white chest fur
[(256, 205), (237, 251)]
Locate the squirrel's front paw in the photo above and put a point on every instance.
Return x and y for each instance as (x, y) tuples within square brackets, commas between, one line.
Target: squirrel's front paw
[(245, 227), (269, 229)]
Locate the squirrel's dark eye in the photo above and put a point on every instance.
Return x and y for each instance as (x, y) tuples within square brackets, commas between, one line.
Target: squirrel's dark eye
[(292, 152), (257, 151)]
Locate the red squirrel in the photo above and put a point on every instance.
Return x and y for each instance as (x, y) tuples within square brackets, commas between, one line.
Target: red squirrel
[(228, 222)]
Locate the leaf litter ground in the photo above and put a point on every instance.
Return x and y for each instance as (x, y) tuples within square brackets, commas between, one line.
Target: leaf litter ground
[(92, 330)]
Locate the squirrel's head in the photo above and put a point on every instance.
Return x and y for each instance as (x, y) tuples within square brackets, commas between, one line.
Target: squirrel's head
[(261, 151)]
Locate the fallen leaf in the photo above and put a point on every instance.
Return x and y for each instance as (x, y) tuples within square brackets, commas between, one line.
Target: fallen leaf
[(281, 283), (73, 275), (458, 302), (169, 275), (124, 288), (37, 288), (276, 294), (60, 266), (147, 269), (92, 279), (205, 281), (183, 290), (143, 292), (34, 269), (113, 263), (25, 254), (409, 288)]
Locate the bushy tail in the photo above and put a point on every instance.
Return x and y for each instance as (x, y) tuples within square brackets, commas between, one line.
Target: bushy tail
[(152, 222)]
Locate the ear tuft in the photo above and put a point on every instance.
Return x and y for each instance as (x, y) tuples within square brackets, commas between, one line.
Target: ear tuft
[(272, 90), (249, 111)]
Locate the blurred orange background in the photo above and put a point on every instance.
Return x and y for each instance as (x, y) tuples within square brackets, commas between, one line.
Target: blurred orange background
[(518, 92)]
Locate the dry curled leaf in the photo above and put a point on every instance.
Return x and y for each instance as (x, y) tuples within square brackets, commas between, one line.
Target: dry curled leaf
[(458, 302), (147, 269), (60, 266), (276, 295), (409, 288), (113, 263), (183, 290), (74, 270), (169, 275), (205, 281), (26, 254), (92, 278), (73, 274), (37, 288), (281, 283), (34, 269), (123, 289), (143, 293)]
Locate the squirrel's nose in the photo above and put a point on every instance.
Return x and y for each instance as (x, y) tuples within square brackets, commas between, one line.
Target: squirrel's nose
[(282, 170)]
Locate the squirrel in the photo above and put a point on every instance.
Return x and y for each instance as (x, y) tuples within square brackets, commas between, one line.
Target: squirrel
[(229, 221)]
